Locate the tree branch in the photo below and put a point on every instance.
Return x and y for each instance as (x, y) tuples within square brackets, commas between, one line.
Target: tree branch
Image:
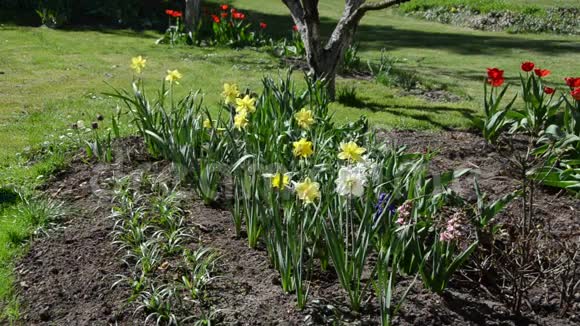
[(296, 10)]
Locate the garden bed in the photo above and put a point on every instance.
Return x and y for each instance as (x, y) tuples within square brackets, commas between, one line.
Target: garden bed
[(67, 276)]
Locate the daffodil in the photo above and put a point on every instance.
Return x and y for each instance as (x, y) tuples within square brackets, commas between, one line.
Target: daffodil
[(173, 76), (230, 93), (247, 104), (305, 118), (241, 120), (351, 151), (207, 123), (351, 181), (302, 148), (280, 180), (138, 63), (308, 191)]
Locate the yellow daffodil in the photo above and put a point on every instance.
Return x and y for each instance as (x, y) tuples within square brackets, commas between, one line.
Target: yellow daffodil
[(305, 118), (241, 120), (302, 148), (230, 93), (173, 76), (138, 63), (280, 180), (308, 191), (247, 104), (207, 124), (351, 151)]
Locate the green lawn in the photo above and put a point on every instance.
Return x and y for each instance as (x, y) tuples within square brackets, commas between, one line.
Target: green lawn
[(52, 78)]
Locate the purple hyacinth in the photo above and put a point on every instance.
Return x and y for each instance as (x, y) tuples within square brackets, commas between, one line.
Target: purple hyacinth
[(383, 199)]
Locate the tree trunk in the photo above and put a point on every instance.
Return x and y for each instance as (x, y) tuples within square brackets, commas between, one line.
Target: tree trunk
[(323, 60), (192, 14)]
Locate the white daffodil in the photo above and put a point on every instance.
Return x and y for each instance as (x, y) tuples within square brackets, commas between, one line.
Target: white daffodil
[(370, 167), (351, 181)]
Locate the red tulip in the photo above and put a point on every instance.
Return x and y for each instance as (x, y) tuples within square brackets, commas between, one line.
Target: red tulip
[(224, 14), (238, 15), (215, 18), (495, 77), (263, 25), (572, 82), (494, 73), (295, 28), (224, 7), (177, 14), (527, 66), (549, 90), (496, 82), (576, 94), (169, 12), (542, 72)]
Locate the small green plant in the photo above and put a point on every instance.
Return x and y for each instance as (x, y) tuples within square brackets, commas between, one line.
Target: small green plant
[(351, 62), (100, 148), (41, 212), (158, 303), (199, 266)]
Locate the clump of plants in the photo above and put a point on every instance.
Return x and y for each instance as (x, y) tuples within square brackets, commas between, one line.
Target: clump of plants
[(226, 26), (316, 194), (538, 139), (151, 232)]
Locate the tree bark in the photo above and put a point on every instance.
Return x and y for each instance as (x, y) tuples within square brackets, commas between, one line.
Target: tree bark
[(323, 59), (192, 14)]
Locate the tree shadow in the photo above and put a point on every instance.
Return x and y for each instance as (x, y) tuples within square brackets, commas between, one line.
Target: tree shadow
[(478, 312), (415, 112), (377, 37)]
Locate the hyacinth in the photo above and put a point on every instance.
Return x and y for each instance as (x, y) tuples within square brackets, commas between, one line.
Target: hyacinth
[(173, 76), (455, 228), (138, 64), (280, 180), (302, 148), (404, 212), (241, 120), (351, 181), (304, 118), (351, 151), (230, 93), (307, 191), (380, 207), (247, 104)]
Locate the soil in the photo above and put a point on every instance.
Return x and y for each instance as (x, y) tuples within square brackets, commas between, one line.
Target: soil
[(66, 278)]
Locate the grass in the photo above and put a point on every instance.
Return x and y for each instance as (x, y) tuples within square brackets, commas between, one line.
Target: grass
[(49, 79)]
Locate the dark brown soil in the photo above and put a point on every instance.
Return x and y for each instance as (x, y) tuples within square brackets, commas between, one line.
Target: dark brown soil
[(66, 278)]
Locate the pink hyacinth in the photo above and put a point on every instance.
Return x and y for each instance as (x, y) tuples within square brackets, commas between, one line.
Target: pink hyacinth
[(455, 228)]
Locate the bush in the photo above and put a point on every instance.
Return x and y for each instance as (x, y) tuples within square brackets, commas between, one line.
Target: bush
[(62, 12)]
